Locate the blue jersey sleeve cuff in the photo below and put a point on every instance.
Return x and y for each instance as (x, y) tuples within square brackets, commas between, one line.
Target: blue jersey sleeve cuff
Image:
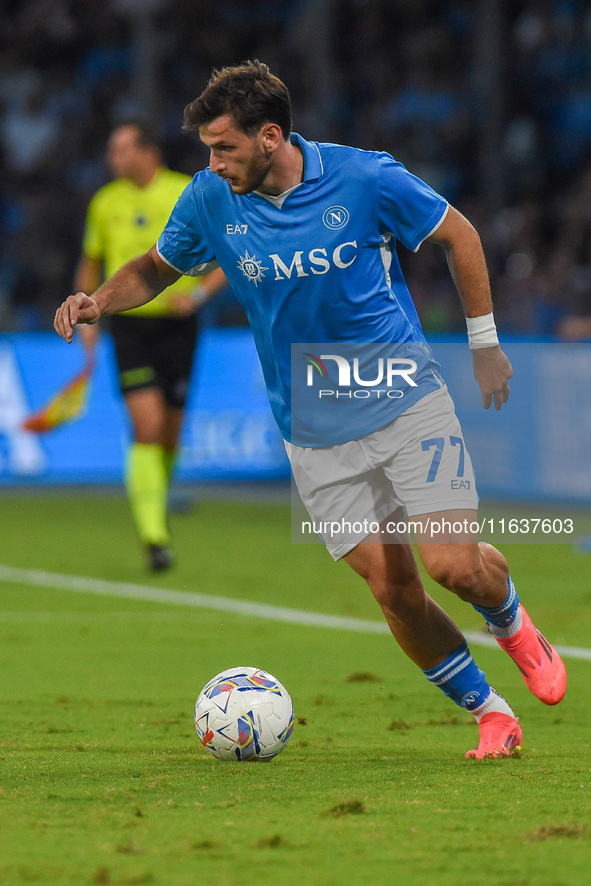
[(433, 228), (196, 271)]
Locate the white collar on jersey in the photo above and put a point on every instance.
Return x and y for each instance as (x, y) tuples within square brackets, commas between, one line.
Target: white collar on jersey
[(280, 198)]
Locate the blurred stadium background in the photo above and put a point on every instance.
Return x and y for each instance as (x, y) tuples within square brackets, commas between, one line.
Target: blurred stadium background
[(488, 101)]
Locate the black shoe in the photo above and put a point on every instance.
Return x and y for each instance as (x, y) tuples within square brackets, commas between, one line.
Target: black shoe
[(159, 557)]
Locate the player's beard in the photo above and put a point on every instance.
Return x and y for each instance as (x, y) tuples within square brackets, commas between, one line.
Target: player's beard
[(256, 172)]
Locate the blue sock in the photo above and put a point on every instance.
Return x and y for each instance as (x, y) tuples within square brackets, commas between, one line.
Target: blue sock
[(460, 679), (504, 615)]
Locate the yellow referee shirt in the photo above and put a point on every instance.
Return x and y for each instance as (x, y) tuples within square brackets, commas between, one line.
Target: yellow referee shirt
[(124, 221)]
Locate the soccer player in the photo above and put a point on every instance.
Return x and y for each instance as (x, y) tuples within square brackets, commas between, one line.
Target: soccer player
[(305, 233), (154, 343)]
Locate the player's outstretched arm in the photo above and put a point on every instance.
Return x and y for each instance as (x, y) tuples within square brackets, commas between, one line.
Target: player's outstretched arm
[(467, 266), (136, 283)]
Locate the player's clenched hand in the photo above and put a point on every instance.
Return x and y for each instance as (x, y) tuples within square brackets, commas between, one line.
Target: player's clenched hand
[(79, 308), (492, 371)]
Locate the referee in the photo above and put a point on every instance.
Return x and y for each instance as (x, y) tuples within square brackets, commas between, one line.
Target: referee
[(155, 343)]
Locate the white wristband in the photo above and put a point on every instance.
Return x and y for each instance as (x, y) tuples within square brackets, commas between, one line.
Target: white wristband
[(200, 295), (482, 332)]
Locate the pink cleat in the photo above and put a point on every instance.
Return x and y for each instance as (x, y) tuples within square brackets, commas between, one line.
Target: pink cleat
[(542, 667), (500, 736)]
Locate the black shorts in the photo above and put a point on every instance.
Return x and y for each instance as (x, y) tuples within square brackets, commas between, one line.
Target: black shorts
[(155, 352)]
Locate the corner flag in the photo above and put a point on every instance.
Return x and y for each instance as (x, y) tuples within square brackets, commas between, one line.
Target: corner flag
[(66, 405)]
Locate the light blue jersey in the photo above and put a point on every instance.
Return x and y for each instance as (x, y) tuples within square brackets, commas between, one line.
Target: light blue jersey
[(316, 265)]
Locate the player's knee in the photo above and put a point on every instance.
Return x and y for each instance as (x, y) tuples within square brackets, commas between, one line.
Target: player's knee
[(395, 595), (149, 429), (148, 435), (461, 575)]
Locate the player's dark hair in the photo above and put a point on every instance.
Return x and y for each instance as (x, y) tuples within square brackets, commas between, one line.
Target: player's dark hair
[(249, 92), (146, 133)]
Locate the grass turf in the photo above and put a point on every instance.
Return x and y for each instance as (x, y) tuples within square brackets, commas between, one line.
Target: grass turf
[(101, 776)]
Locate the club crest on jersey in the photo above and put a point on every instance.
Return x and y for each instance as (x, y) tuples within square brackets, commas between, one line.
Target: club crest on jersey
[(252, 268), (335, 217)]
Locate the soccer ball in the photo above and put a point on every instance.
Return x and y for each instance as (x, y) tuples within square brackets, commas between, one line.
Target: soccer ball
[(244, 714)]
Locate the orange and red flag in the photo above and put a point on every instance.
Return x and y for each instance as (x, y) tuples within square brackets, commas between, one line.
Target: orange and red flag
[(66, 405)]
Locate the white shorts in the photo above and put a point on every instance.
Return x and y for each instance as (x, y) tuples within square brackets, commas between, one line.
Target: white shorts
[(418, 462)]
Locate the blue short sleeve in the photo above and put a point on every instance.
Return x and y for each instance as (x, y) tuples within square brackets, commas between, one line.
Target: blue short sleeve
[(407, 206), (183, 244)]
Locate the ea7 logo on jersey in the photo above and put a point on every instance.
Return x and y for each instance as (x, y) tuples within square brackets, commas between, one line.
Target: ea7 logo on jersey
[(318, 261), (236, 229)]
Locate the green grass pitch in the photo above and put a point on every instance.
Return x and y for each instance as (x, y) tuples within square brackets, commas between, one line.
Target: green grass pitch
[(102, 779)]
